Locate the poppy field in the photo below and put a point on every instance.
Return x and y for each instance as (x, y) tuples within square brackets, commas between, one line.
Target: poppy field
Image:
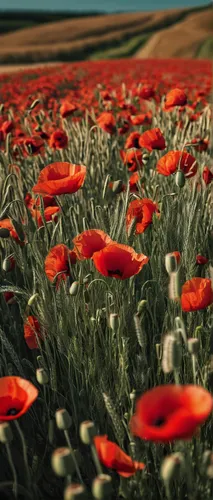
[(106, 281)]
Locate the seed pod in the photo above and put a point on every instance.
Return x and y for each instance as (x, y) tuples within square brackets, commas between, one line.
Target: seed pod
[(171, 467), (63, 419), (102, 486), (170, 263), (180, 179), (114, 321), (74, 288), (87, 432), (62, 462), (6, 434), (193, 346), (4, 232), (172, 354), (75, 492), (174, 286), (42, 376)]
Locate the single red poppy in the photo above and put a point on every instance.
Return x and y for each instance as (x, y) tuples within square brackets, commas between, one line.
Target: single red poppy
[(7, 224), (58, 139), (7, 127), (32, 330), (132, 158), (49, 214), (152, 139), (132, 140), (196, 294), (90, 241), (60, 178), (200, 259), (207, 175), (16, 397), (57, 262), (111, 455), (106, 121), (175, 97), (34, 145), (169, 163), (170, 412), (146, 91), (119, 261), (142, 210), (142, 119), (67, 109)]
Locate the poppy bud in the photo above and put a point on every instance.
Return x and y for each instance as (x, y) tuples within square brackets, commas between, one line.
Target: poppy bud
[(117, 187), (32, 298), (74, 288), (4, 232), (6, 434), (180, 179), (170, 263), (102, 486), (141, 306), (114, 321), (171, 358), (171, 466), (193, 346), (75, 492), (174, 286), (42, 376), (87, 432), (63, 419), (62, 462)]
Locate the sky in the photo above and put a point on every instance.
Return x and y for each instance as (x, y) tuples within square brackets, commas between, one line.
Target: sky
[(104, 5)]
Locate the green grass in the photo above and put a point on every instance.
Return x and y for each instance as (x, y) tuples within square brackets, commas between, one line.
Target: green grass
[(205, 51), (126, 49)]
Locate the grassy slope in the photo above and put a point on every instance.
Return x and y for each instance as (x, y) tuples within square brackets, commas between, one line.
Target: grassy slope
[(103, 36)]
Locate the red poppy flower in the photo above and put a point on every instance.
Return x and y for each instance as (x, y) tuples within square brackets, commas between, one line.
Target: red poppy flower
[(67, 109), (7, 224), (16, 397), (48, 201), (88, 242), (146, 91), (170, 412), (58, 139), (57, 262), (7, 127), (175, 97), (196, 294), (201, 144), (119, 261), (207, 175), (32, 330), (142, 210), (34, 145), (49, 213), (169, 163), (142, 119), (132, 140), (200, 259), (60, 178), (111, 455), (106, 121), (132, 158), (152, 139)]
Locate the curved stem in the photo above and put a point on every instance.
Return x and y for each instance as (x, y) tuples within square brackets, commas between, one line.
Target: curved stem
[(10, 460), (24, 451)]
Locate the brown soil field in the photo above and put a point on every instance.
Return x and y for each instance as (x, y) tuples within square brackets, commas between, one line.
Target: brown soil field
[(76, 38), (180, 40)]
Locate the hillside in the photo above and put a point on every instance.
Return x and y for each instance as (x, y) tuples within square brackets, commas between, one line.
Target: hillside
[(83, 38)]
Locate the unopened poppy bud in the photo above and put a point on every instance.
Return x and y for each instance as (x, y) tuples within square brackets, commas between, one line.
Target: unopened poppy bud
[(74, 288), (63, 419), (87, 432), (4, 232), (114, 321), (117, 186), (193, 346), (32, 299), (170, 263), (75, 492), (42, 376), (172, 354), (174, 286), (6, 434), (102, 486), (141, 306), (171, 467), (180, 179), (62, 462)]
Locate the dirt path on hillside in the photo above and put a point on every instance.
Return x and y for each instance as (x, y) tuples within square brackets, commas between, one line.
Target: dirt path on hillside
[(21, 67)]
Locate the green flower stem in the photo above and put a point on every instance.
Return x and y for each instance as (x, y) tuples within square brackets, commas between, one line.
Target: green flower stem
[(73, 456), (24, 451), (10, 460), (96, 459)]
